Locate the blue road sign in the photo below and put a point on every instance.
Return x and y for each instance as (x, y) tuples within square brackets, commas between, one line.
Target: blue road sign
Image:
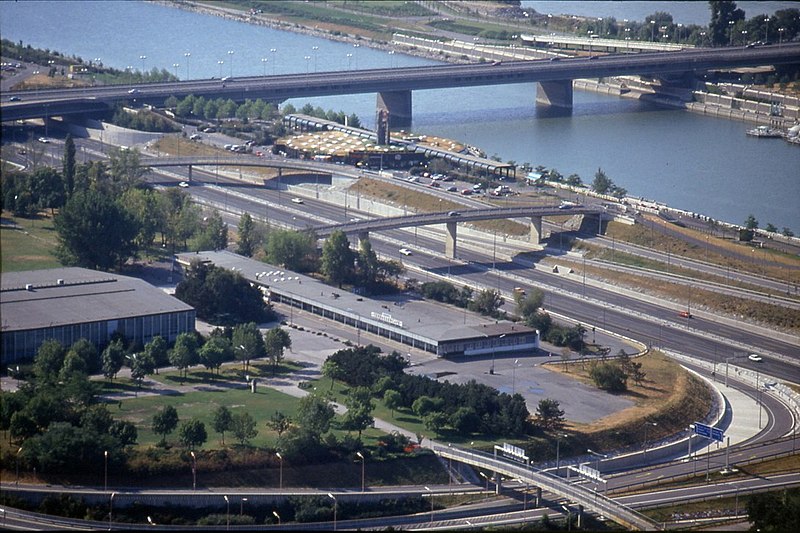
[(708, 432)]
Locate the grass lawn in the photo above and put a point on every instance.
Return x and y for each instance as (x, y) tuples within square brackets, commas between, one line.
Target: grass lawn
[(27, 243)]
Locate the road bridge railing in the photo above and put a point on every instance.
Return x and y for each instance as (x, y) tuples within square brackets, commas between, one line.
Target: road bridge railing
[(588, 498)]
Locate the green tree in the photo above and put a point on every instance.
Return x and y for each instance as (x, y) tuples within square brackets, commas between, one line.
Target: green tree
[(393, 400), (279, 423), (248, 343), (529, 304), (435, 421), (222, 421), (751, 223), (243, 427), (214, 235), (425, 404), (314, 415), (246, 236), (465, 420), (770, 227), (723, 13), (549, 414), (158, 350), (609, 377), (184, 353), (68, 171), (48, 361), (192, 434), (164, 422), (359, 409), (214, 352), (47, 188), (276, 341), (95, 232), (125, 170), (88, 353), (775, 511), (113, 358), (487, 302), (337, 258), (294, 250), (142, 365), (601, 184), (143, 205)]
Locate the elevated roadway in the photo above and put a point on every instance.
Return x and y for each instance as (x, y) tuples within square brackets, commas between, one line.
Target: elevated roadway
[(394, 85)]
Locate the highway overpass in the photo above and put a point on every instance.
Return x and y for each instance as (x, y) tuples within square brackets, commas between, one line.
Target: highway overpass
[(451, 219), (395, 85)]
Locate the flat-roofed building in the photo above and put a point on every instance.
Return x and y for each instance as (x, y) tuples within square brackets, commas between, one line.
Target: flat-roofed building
[(429, 326), (68, 304)]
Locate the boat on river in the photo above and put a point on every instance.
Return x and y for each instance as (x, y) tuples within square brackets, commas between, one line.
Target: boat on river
[(765, 132)]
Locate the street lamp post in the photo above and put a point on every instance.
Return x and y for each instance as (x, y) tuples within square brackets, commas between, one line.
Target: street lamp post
[(653, 30), (230, 54), (175, 66), (111, 509), (276, 515), (194, 471), (363, 471), (431, 497), (273, 51), (228, 512), (220, 63), (484, 476), (105, 471), (18, 452), (308, 59), (646, 427), (264, 64), (730, 32), (280, 475), (332, 497), (241, 506), (314, 49), (514, 377), (558, 450), (491, 371), (187, 55), (142, 57)]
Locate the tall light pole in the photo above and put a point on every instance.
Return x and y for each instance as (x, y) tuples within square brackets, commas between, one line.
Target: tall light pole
[(349, 61), (105, 471), (363, 471), (194, 471), (308, 59), (332, 497), (558, 450), (264, 64), (646, 427), (431, 497), (514, 377), (187, 55), (230, 58), (273, 51), (142, 57), (491, 371), (276, 515), (356, 46), (228, 513), (280, 475), (220, 63), (730, 32), (111, 509), (18, 452), (314, 50), (175, 66), (653, 30), (241, 506)]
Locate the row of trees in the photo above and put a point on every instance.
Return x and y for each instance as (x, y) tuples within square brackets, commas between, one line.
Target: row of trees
[(467, 408), (486, 302)]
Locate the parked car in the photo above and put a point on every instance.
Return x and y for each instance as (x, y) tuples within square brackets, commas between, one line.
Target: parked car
[(452, 188), (183, 184)]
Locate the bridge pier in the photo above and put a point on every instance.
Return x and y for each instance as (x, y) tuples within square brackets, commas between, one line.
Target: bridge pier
[(450, 240), (398, 105), (554, 93), (536, 230), (498, 483)]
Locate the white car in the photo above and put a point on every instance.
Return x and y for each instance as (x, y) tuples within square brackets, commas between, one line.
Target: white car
[(405, 251), (195, 137), (133, 91), (755, 357), (44, 140), (297, 200), (183, 184)]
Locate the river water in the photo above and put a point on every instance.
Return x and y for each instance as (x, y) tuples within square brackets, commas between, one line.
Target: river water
[(688, 161)]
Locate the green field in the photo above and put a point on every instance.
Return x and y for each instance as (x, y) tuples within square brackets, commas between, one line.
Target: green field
[(27, 244)]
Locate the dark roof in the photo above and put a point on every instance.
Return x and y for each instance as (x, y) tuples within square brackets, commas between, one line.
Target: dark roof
[(60, 296)]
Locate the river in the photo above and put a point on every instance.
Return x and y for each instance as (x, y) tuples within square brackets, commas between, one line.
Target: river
[(688, 161)]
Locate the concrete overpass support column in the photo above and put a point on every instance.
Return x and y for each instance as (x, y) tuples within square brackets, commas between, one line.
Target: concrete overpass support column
[(450, 241), (190, 173), (538, 496), (554, 93), (536, 230), (398, 104), (362, 236), (498, 483)]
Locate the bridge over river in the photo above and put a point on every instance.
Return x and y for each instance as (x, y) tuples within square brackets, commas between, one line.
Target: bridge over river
[(395, 85)]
